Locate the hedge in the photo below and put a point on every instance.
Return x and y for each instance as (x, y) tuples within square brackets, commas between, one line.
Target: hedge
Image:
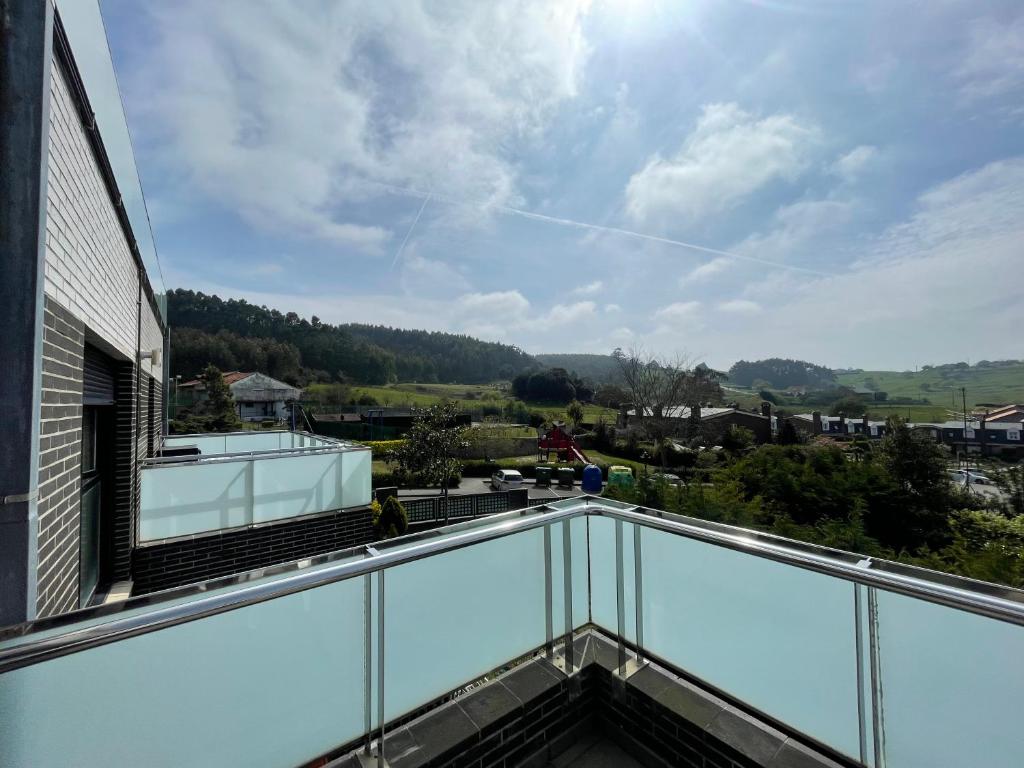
[(381, 448)]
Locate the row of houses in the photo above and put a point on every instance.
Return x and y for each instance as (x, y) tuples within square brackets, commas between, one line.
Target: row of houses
[(996, 433)]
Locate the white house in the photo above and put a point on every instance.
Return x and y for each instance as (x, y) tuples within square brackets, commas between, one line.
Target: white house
[(257, 396)]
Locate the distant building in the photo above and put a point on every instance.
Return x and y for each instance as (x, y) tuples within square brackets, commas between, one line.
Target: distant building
[(714, 422), (257, 396), (1006, 413), (818, 424)]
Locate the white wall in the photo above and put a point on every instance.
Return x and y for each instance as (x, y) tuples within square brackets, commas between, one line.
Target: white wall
[(89, 268)]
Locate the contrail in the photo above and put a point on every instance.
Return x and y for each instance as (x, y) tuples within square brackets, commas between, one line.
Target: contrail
[(583, 225), (412, 226)]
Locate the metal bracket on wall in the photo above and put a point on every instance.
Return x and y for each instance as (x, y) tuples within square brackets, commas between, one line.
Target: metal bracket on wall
[(20, 498)]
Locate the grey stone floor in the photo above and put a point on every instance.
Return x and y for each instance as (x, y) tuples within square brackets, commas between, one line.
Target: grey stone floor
[(594, 751)]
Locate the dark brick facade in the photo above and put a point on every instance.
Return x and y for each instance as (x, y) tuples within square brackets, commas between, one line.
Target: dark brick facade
[(126, 476), (163, 565), (60, 437)]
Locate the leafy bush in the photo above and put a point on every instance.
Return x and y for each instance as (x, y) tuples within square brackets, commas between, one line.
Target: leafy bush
[(389, 520)]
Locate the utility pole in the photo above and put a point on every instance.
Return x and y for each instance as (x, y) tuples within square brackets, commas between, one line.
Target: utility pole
[(967, 455)]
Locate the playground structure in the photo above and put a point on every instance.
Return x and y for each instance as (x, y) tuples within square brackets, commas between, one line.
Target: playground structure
[(562, 443)]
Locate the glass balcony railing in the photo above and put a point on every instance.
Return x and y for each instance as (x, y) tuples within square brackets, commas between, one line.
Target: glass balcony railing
[(887, 665), (248, 478)]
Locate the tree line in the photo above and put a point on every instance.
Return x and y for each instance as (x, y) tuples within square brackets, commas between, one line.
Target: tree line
[(891, 500), (234, 334), (780, 373)]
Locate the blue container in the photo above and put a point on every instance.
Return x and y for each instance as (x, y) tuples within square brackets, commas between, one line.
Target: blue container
[(591, 479)]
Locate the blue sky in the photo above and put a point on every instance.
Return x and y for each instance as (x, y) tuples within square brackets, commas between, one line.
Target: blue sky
[(837, 181)]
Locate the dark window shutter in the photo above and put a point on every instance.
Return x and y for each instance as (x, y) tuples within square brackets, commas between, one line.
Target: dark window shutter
[(98, 378)]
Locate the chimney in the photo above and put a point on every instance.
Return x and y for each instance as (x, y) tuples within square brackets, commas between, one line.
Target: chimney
[(864, 426), (842, 425), (816, 419), (766, 408)]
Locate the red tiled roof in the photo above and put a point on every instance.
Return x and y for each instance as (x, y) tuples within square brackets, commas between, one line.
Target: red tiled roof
[(230, 377)]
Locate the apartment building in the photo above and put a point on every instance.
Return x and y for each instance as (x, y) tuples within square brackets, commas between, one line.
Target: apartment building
[(84, 340)]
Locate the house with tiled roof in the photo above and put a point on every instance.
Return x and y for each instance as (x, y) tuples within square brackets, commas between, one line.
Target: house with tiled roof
[(258, 397)]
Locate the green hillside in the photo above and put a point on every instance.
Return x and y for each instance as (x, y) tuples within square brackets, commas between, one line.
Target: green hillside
[(986, 383), (597, 368)]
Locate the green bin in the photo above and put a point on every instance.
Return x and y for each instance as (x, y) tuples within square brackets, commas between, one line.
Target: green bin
[(620, 476), (543, 475), (566, 477)]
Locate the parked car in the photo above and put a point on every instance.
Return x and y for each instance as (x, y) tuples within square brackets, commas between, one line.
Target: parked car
[(968, 476), (506, 480)]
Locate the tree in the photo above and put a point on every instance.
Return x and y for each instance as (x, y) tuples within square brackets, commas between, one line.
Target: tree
[(851, 407), (918, 467), (610, 396), (780, 373), (575, 414), (428, 453), (389, 520), (219, 406), (1011, 483)]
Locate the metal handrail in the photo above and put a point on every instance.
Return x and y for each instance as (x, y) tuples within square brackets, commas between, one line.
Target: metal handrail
[(268, 453), (33, 651)]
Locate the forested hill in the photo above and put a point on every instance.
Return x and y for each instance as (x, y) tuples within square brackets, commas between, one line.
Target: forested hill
[(236, 335), (596, 368)]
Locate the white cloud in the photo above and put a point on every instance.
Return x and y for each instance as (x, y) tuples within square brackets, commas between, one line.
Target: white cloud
[(588, 289), (730, 155), (849, 166), (421, 276), (993, 63), (612, 308), (565, 314), (706, 270), (677, 317), (740, 306), (797, 228), (284, 116), (939, 286)]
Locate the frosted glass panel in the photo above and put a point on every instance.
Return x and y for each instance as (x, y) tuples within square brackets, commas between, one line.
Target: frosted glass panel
[(207, 444), (355, 477), (192, 498), (578, 583), (952, 686), (450, 619), (776, 637), (256, 441), (272, 684), (297, 485), (602, 572)]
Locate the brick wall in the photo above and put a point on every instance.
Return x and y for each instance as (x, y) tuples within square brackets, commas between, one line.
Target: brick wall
[(89, 267), (126, 476), (185, 561), (59, 460)]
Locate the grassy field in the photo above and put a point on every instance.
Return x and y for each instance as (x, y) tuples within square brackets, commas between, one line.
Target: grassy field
[(468, 396), (942, 386)]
